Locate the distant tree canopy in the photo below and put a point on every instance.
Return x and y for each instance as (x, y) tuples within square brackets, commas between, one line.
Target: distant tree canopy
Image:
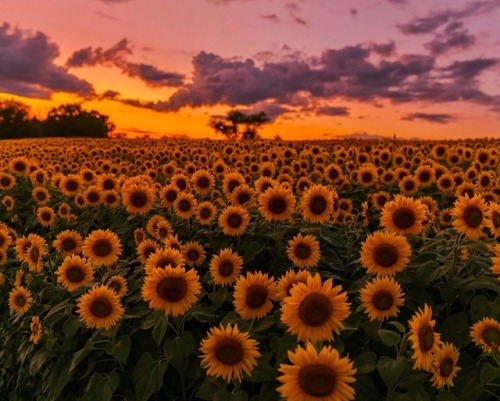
[(68, 120), (230, 125)]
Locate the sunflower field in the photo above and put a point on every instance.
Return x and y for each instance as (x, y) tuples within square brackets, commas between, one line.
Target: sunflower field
[(252, 271)]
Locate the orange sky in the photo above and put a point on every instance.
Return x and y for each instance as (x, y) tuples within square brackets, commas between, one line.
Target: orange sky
[(380, 67)]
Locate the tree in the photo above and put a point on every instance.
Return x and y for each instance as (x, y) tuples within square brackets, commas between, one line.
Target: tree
[(70, 120), (229, 126), (15, 121)]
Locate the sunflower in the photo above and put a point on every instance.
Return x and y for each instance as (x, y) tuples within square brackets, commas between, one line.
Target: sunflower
[(100, 308), (102, 247), (445, 217), (234, 220), (138, 199), (118, 284), (3, 258), (486, 334), (107, 182), (45, 216), (193, 253), (7, 181), (163, 230), (381, 298), (185, 205), (180, 181), (425, 175), (243, 196), (403, 215), (367, 175), (173, 242), (64, 210), (71, 185), (408, 185), (9, 203), (288, 280), (425, 342), (145, 249), (173, 290), (315, 310), (231, 181), (493, 219), (36, 329), (20, 165), (203, 181), (317, 204), (277, 203), (20, 300), (162, 258), (74, 272), (229, 353), (253, 295), (385, 253), (333, 173), (313, 376), (304, 251), (168, 195), (40, 195), (111, 198), (262, 184), (205, 213), (35, 252), (225, 267), (5, 239), (444, 367), (469, 213), (379, 199)]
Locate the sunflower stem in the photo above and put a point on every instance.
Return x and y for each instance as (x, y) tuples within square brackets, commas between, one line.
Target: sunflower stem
[(402, 348)]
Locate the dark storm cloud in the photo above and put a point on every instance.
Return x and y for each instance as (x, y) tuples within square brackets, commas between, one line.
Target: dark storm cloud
[(454, 36), (117, 56), (272, 110), (27, 66), (469, 69), (428, 24), (333, 111), (433, 118)]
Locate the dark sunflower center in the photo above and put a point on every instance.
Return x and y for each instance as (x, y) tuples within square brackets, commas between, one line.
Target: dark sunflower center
[(34, 254), (381, 200), (184, 205), (385, 255), (403, 218), (110, 198), (317, 380), (181, 184), (277, 204), (20, 300), (409, 185), (485, 181), (315, 309), (138, 199), (41, 196), (115, 286), (491, 336), (495, 218), (74, 274), (88, 176), (317, 204), (302, 250), (425, 338), (483, 157), (20, 166), (424, 176), (243, 198), (234, 220), (46, 216), (148, 251), (366, 177), (232, 185), (382, 300), (473, 216), (71, 185), (172, 289), (446, 367), (102, 248), (265, 186), (256, 296), (333, 174), (5, 181), (165, 261), (229, 351), (203, 182), (192, 254), (225, 268), (101, 307), (446, 183), (446, 217), (171, 195)]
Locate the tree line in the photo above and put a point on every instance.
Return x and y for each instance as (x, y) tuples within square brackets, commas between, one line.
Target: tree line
[(67, 120)]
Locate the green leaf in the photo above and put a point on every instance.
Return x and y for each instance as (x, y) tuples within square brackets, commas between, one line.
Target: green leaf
[(148, 376), (489, 373), (446, 395), (59, 377), (388, 337), (239, 396), (121, 349), (71, 326), (390, 369), (221, 395), (80, 355), (207, 389), (251, 250), (398, 326), (101, 387), (218, 297), (262, 373), (160, 327), (455, 328), (365, 363)]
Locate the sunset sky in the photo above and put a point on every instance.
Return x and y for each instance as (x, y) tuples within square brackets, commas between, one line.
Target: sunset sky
[(318, 68)]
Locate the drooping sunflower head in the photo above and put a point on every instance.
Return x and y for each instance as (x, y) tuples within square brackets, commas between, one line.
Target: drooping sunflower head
[(253, 295), (304, 251), (229, 353), (403, 215), (74, 273), (173, 290), (425, 341), (314, 375), (100, 308), (225, 267), (102, 247), (486, 334)]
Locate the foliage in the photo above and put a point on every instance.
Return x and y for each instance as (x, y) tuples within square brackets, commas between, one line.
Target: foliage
[(229, 126)]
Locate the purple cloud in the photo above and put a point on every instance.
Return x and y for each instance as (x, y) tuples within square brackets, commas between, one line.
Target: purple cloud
[(430, 117), (333, 111), (455, 36), (117, 56), (27, 66)]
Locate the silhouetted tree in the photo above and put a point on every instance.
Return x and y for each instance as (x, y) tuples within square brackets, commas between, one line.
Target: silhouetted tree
[(229, 126), (71, 120), (15, 121)]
